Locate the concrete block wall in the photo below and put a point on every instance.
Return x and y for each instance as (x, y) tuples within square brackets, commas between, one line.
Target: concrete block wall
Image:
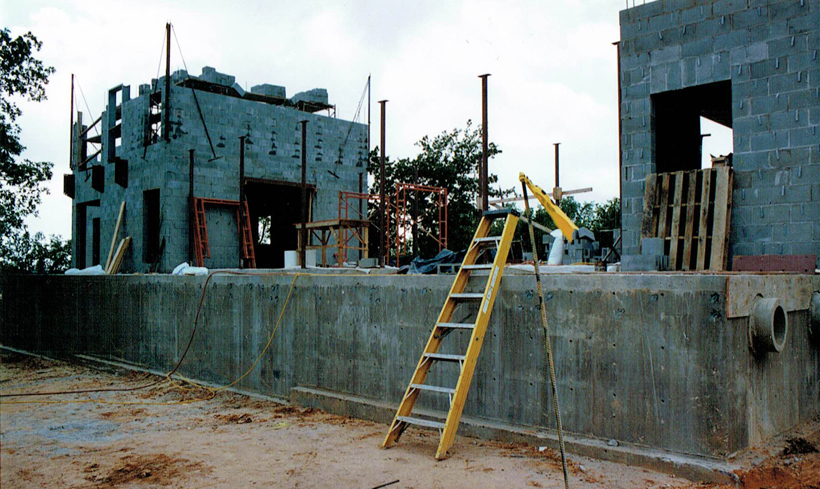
[(273, 153), (768, 49)]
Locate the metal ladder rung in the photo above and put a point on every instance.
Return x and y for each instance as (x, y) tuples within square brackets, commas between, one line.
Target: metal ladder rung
[(488, 239), (487, 266), (421, 422), (456, 325), (433, 388), (467, 296), (445, 357)]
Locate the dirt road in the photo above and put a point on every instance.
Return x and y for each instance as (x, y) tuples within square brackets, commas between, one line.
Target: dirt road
[(133, 440)]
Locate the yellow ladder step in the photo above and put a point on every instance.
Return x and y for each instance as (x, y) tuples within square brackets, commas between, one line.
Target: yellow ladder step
[(427, 423), (445, 357), (433, 388), (456, 325), (466, 296)]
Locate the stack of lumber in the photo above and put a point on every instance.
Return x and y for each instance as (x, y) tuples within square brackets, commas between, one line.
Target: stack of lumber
[(114, 261)]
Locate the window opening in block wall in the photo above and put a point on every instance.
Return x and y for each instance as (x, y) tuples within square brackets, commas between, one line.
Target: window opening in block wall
[(717, 141), (678, 137), (263, 230), (114, 122), (82, 212), (153, 126)]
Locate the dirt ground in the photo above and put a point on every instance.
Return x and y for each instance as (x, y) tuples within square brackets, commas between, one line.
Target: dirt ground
[(137, 439)]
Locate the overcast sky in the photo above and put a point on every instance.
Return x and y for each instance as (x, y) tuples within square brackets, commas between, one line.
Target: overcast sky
[(553, 66)]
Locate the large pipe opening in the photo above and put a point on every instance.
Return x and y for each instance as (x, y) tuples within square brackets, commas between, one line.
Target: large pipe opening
[(768, 326)]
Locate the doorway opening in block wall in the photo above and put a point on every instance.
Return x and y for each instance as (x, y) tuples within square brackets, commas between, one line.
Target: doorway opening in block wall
[(151, 222), (689, 125), (274, 208), (95, 241)]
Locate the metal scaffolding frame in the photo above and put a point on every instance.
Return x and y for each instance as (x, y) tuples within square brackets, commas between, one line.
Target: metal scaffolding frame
[(404, 224)]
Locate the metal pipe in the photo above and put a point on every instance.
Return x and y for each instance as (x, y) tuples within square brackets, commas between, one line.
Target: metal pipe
[(367, 165), (71, 128), (167, 95), (241, 168), (557, 182), (361, 215), (382, 208), (303, 231), (620, 143), (415, 228), (483, 171), (191, 210)]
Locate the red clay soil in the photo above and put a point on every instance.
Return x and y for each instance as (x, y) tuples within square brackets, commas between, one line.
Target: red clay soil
[(796, 467)]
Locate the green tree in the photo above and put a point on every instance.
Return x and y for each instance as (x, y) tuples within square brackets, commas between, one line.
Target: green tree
[(449, 160), (24, 253), (22, 181)]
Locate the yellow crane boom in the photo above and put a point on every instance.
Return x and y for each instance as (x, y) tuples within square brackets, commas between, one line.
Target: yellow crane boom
[(561, 220)]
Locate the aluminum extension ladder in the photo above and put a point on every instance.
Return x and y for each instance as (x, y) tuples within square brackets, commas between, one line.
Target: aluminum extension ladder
[(466, 362)]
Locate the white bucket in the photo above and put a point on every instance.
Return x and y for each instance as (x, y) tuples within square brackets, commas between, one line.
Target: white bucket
[(311, 257), (291, 259)]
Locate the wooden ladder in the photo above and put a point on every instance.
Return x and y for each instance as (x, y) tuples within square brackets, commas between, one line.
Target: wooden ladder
[(202, 249), (444, 326), (245, 235)]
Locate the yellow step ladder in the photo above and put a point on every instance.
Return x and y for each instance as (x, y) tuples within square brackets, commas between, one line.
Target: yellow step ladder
[(444, 326)]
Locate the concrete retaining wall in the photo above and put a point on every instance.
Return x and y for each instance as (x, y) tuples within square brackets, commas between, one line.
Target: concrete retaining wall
[(647, 360)]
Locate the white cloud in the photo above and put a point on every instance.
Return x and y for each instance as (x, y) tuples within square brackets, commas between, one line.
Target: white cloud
[(552, 63)]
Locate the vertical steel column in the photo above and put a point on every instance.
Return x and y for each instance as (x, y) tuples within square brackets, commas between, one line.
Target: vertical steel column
[(71, 128), (167, 95), (191, 210), (483, 171), (415, 228), (303, 231), (620, 144), (241, 169), (361, 215), (383, 257)]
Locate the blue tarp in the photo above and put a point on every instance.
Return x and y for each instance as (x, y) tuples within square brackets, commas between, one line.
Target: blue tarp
[(427, 266)]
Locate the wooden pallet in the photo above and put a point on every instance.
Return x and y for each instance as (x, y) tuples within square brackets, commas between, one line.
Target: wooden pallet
[(691, 212)]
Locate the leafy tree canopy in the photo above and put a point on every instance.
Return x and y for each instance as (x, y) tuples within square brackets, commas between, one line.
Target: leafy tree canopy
[(451, 160), (21, 180), (24, 253), (448, 160)]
